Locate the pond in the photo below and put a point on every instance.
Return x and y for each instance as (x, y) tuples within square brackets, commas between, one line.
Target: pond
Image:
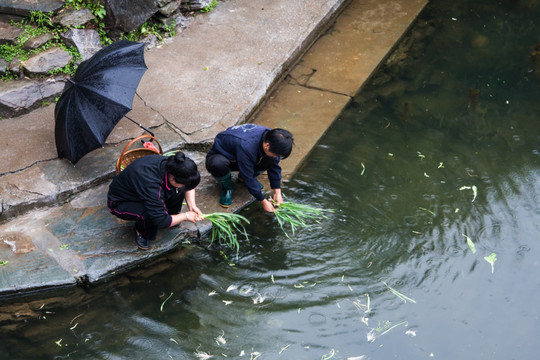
[(432, 170)]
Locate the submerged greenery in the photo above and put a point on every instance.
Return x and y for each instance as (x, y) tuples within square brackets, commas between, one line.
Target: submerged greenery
[(298, 215), (225, 227)]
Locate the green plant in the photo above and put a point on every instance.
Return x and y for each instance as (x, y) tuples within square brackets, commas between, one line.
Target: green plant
[(41, 19), (97, 9), (171, 29), (224, 228), (297, 215), (210, 7)]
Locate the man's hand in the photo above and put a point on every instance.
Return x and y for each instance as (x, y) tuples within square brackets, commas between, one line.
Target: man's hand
[(278, 199), (267, 206)]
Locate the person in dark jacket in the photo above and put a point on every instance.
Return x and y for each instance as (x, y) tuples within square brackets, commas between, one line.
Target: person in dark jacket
[(250, 149), (151, 191)]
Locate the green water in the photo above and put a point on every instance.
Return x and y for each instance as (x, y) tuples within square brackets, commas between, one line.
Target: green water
[(458, 110)]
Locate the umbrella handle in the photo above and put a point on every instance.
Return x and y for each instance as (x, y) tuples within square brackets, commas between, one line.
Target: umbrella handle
[(140, 125)]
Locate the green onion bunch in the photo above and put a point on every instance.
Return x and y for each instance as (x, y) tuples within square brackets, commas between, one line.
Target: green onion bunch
[(297, 215), (225, 227)]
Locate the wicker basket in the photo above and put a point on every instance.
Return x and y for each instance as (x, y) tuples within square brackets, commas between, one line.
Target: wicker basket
[(129, 155)]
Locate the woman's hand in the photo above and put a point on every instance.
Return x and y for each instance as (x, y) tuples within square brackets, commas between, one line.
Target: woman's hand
[(192, 216), (195, 209), (192, 206)]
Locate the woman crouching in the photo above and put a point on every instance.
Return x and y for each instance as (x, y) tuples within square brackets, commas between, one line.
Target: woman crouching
[(151, 190)]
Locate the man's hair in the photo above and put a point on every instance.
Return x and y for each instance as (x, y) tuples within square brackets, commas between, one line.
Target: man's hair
[(281, 142)]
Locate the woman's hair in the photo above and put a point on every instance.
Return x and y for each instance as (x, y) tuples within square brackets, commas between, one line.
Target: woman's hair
[(183, 169), (281, 142)]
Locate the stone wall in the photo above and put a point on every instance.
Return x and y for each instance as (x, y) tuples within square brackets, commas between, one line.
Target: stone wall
[(33, 85)]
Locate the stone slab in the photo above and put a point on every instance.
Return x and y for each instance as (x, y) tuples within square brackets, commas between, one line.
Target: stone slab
[(25, 7), (306, 113), (246, 47), (345, 57)]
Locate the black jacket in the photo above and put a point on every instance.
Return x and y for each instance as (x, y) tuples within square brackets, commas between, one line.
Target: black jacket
[(145, 180)]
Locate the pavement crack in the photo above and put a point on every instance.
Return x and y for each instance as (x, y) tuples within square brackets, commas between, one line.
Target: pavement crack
[(13, 172)]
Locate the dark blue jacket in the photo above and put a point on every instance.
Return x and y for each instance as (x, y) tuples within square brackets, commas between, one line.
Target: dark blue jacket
[(243, 144), (145, 180)]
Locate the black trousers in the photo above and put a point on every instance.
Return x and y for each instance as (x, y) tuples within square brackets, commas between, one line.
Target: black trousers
[(219, 166), (136, 211)]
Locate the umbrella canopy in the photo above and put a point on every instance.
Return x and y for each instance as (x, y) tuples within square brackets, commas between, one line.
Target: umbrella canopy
[(99, 94)]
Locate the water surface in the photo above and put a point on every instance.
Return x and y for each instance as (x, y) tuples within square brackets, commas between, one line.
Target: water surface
[(455, 109)]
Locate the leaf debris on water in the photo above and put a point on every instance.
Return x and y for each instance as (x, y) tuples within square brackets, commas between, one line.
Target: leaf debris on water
[(387, 327), (232, 287), (202, 355), (363, 168), (258, 299), (471, 244), (410, 332), (328, 356), (220, 340), (163, 303), (491, 259), (403, 297), (473, 188), (284, 348), (212, 293), (226, 302), (429, 211)]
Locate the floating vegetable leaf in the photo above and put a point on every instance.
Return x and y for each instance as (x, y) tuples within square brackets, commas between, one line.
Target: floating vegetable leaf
[(473, 188), (3, 262), (404, 298), (491, 259), (471, 244), (163, 303), (429, 211)]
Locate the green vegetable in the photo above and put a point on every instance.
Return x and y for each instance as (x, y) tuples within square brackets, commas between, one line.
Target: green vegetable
[(224, 228), (296, 215)]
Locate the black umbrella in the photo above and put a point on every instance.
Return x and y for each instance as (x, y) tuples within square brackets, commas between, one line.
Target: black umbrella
[(99, 94)]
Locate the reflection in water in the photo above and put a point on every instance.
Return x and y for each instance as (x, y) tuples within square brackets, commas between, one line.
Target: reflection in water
[(454, 108)]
